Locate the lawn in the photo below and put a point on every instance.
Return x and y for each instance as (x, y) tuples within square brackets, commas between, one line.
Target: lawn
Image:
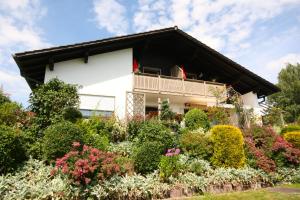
[(263, 194)]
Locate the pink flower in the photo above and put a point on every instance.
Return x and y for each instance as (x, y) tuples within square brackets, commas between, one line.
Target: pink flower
[(76, 144)]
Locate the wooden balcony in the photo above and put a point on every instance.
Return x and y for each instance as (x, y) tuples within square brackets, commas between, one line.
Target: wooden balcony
[(175, 86)]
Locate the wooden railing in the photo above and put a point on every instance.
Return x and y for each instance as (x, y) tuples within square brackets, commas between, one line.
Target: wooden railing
[(172, 85)]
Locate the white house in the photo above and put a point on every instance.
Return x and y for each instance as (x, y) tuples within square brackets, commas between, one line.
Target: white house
[(131, 74)]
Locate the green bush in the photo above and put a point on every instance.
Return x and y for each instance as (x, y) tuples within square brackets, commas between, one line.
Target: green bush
[(96, 140), (196, 144), (290, 128), (218, 115), (169, 166), (12, 151), (48, 101), (133, 127), (9, 113), (59, 138), (155, 131), (166, 113), (3, 97), (293, 138), (147, 156), (195, 119), (72, 114), (228, 150)]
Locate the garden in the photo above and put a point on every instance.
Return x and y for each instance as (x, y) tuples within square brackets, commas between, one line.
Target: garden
[(49, 151)]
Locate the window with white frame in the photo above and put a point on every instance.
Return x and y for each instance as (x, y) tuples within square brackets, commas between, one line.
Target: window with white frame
[(98, 105)]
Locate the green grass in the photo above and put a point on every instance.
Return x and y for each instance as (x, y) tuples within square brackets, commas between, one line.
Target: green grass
[(262, 194)]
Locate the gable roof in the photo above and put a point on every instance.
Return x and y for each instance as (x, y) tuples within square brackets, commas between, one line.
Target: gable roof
[(32, 63)]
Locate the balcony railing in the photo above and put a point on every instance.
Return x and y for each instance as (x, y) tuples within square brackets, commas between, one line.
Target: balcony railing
[(172, 85)]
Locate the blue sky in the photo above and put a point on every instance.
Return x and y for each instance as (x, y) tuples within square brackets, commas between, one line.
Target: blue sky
[(261, 35)]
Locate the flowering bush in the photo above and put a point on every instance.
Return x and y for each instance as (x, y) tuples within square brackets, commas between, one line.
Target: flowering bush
[(169, 164), (259, 158), (87, 166), (284, 153)]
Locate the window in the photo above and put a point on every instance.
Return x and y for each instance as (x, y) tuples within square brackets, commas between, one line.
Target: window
[(152, 70), (88, 113), (96, 105)]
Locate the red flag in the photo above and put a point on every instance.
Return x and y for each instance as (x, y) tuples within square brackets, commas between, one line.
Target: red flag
[(135, 65), (183, 72)]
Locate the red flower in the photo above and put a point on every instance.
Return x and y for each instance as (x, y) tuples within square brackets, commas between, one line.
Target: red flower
[(76, 144)]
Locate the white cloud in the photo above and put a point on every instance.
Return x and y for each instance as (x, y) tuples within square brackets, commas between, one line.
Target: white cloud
[(111, 15), (18, 31), (224, 25), (291, 58)]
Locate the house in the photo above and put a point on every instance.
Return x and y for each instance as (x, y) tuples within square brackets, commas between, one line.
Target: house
[(132, 74)]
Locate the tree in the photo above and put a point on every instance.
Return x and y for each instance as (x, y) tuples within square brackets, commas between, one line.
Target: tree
[(166, 112), (50, 100), (3, 97), (288, 99)]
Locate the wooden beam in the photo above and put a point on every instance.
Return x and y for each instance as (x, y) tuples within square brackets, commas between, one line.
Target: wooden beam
[(86, 57), (51, 64)]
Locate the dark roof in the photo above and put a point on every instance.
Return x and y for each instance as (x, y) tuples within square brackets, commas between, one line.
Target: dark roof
[(32, 63)]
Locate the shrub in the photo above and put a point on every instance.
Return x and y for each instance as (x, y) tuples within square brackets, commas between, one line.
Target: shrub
[(290, 128), (166, 113), (9, 113), (3, 97), (196, 144), (293, 138), (218, 115), (32, 181), (12, 151), (195, 119), (133, 127), (284, 153), (50, 100), (96, 140), (263, 137), (156, 132), (257, 158), (147, 156), (58, 139), (71, 114), (123, 148), (169, 164), (228, 148), (86, 165), (118, 133)]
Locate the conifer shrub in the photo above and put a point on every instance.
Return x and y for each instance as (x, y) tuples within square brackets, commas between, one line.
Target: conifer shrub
[(290, 128), (12, 151), (195, 119), (58, 139), (228, 150), (293, 138), (147, 156)]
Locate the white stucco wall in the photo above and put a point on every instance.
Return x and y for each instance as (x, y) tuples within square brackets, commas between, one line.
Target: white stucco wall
[(108, 74), (251, 101)]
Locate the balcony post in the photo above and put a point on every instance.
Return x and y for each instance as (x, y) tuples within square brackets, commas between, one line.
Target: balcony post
[(159, 83), (183, 87), (205, 91)]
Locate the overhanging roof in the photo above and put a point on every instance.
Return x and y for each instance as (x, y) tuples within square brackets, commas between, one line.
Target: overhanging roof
[(32, 63)]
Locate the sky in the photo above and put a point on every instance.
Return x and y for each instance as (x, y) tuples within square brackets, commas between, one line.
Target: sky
[(261, 35)]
